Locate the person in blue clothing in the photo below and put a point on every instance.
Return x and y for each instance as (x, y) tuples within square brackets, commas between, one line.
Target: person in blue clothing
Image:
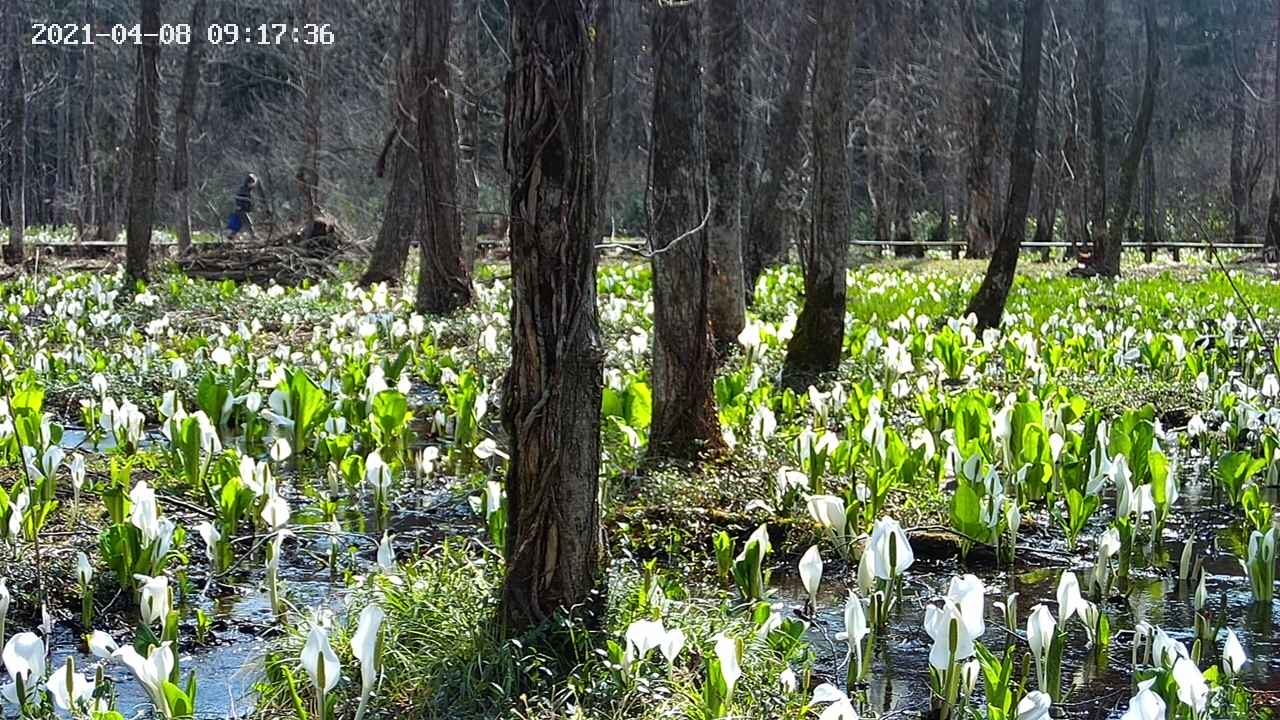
[(240, 219)]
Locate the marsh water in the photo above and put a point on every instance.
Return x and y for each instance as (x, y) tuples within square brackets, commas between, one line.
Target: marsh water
[(1097, 684)]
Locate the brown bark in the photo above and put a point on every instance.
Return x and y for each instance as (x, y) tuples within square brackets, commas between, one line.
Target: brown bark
[(402, 211), (551, 398), (765, 243), (1110, 261), (182, 126), (685, 423), (146, 140), (15, 252), (1097, 226), (816, 346), (988, 303), (725, 48), (444, 280)]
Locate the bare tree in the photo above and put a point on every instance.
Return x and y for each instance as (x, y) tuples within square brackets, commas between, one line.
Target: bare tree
[(819, 335), (988, 303), (551, 397), (15, 252), (312, 85), (985, 32), (1097, 226), (685, 422), (1109, 263), (402, 213), (146, 141), (182, 126), (725, 46), (765, 242), (444, 280)]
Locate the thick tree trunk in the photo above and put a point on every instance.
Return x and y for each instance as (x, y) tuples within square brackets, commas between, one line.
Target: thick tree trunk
[(146, 140), (182, 126), (765, 243), (1097, 128), (444, 280), (551, 397), (15, 251), (725, 41), (312, 86), (1110, 262), (685, 423), (816, 346), (988, 303), (402, 212)]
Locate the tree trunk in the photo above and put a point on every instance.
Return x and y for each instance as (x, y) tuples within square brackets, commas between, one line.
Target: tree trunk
[(402, 213), (988, 303), (444, 281), (725, 41), (15, 251), (1097, 129), (765, 244), (602, 101), (1239, 195), (1047, 218), (469, 156), (1110, 265), (1272, 244), (312, 86), (551, 396), (182, 126), (1150, 228), (819, 335), (984, 108), (89, 197), (146, 138), (685, 422)]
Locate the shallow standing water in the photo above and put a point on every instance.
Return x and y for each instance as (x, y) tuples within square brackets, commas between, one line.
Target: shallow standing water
[(1096, 686)]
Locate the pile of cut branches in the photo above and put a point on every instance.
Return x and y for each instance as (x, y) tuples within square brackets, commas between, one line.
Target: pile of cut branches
[(311, 252)]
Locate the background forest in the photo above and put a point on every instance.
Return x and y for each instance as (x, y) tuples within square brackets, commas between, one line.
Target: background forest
[(933, 87)]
